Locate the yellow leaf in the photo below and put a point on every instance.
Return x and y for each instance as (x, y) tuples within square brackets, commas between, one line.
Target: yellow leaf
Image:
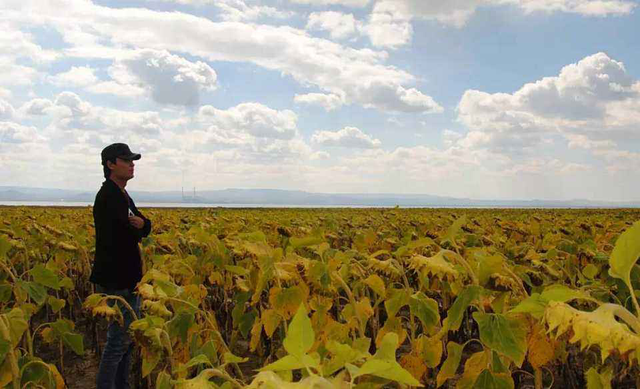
[(472, 369), (256, 331), (376, 284), (414, 365), (57, 376), (393, 324), (541, 349), (270, 320), (599, 327), (286, 301), (436, 265)]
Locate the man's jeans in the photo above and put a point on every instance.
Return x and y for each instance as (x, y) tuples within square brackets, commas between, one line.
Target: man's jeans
[(114, 365)]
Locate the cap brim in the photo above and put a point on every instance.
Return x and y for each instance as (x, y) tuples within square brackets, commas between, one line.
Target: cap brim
[(131, 157)]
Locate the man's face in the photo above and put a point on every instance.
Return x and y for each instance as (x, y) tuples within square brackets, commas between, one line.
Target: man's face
[(122, 169)]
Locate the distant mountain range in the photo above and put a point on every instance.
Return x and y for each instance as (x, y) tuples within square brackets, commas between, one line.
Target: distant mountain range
[(293, 197)]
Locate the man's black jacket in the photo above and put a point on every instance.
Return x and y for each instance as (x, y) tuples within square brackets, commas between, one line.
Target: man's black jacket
[(117, 262)]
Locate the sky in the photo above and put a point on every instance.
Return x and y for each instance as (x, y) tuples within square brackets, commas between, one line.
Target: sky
[(484, 99)]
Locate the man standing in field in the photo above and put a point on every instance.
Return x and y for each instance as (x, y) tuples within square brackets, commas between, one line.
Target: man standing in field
[(118, 266)]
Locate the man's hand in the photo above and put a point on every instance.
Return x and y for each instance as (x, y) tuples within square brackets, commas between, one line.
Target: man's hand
[(136, 221)]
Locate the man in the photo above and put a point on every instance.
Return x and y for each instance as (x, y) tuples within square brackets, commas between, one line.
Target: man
[(117, 267)]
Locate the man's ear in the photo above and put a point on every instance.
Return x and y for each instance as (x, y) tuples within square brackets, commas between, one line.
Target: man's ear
[(110, 165)]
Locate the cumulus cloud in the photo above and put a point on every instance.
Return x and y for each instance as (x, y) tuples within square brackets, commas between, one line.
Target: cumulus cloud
[(354, 74), (6, 110), (338, 24), (577, 101), (327, 101), (169, 79), (351, 137), (15, 133), (36, 107), (253, 119), (395, 98), (77, 76)]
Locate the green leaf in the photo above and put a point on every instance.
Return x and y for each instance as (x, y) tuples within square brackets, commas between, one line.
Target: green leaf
[(625, 254), (489, 266), (342, 354), (209, 349), (150, 360), (310, 240), (597, 380), (288, 362), (388, 369), (64, 330), (376, 284), (200, 359), (534, 305), (238, 270), (590, 271), (5, 346), (300, 334), (388, 346), (487, 380), (502, 334), (56, 304), (37, 292), (44, 276), (399, 298), (230, 358), (456, 312), (563, 294), (17, 325), (415, 244), (180, 324), (163, 381), (454, 230), (246, 323), (450, 366), (5, 246), (425, 309)]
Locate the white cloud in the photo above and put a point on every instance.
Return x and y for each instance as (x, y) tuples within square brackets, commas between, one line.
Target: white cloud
[(320, 156), (346, 3), (5, 93), (169, 79), (238, 10), (327, 101), (253, 119), (390, 97), (577, 101), (339, 25), (449, 138), (15, 43), (577, 141), (355, 74), (583, 7), (36, 107), (77, 76), (16, 133), (6, 110), (115, 88), (351, 137), (13, 74), (389, 24)]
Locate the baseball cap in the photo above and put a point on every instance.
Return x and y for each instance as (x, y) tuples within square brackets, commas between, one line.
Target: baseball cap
[(118, 150)]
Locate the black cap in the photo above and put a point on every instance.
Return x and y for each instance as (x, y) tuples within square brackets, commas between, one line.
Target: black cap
[(118, 150)]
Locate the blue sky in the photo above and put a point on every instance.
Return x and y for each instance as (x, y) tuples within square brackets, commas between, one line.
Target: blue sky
[(501, 99)]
